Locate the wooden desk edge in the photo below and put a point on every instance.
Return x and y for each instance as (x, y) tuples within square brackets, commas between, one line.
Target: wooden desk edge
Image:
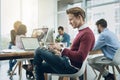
[(95, 52), (16, 55)]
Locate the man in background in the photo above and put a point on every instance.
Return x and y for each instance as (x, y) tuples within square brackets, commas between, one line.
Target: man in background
[(108, 43), (63, 37)]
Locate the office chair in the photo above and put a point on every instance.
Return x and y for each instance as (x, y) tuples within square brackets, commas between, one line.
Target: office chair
[(19, 65), (77, 74), (114, 63)]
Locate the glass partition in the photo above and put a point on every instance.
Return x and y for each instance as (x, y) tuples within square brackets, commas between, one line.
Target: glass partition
[(110, 12), (99, 2), (95, 9)]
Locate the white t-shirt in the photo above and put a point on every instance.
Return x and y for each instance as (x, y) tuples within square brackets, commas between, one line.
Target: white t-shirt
[(19, 42)]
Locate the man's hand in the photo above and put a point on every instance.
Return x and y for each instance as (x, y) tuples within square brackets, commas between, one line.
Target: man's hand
[(55, 48), (57, 52)]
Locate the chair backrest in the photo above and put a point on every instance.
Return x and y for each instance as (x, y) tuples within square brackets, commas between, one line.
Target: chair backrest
[(77, 74), (116, 58), (82, 70)]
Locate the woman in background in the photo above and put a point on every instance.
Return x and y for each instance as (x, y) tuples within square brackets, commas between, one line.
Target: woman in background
[(21, 32), (13, 32)]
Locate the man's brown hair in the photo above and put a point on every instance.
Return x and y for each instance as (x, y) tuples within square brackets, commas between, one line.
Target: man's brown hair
[(76, 11)]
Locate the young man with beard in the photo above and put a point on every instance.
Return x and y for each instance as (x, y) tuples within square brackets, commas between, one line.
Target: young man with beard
[(108, 44)]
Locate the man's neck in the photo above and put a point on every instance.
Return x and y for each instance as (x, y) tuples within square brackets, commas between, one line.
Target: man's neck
[(81, 24), (102, 29)]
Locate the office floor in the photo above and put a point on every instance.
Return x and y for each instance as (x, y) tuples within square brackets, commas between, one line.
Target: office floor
[(5, 76)]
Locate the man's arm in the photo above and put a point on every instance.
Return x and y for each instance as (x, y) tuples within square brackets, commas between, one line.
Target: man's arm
[(67, 39), (86, 43), (99, 43)]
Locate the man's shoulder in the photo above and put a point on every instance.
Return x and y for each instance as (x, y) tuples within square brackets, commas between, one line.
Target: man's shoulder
[(86, 31), (107, 33), (66, 34)]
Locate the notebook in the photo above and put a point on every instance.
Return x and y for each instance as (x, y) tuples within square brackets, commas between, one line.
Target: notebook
[(30, 43)]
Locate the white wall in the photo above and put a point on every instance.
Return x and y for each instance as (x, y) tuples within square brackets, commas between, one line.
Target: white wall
[(0, 26), (47, 13), (33, 13), (10, 12), (23, 10), (29, 14)]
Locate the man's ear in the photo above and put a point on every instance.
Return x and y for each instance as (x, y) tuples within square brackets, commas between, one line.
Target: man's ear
[(79, 16)]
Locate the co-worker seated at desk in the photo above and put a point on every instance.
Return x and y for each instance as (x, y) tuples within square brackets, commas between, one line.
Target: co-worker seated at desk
[(66, 61), (13, 33), (108, 44), (21, 32), (63, 37)]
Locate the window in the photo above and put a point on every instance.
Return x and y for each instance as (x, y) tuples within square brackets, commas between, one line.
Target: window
[(13, 10), (110, 12), (96, 9), (117, 14), (99, 2)]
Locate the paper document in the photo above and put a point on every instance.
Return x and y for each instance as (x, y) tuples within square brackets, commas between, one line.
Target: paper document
[(11, 50)]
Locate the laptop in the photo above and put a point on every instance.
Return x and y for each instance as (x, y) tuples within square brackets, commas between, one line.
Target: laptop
[(40, 33), (30, 43)]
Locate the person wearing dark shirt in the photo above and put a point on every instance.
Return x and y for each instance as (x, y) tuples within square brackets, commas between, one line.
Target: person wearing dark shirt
[(66, 61), (12, 43), (13, 35), (63, 36)]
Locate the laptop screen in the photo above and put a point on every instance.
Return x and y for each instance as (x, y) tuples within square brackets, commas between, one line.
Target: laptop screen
[(30, 43), (40, 33)]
